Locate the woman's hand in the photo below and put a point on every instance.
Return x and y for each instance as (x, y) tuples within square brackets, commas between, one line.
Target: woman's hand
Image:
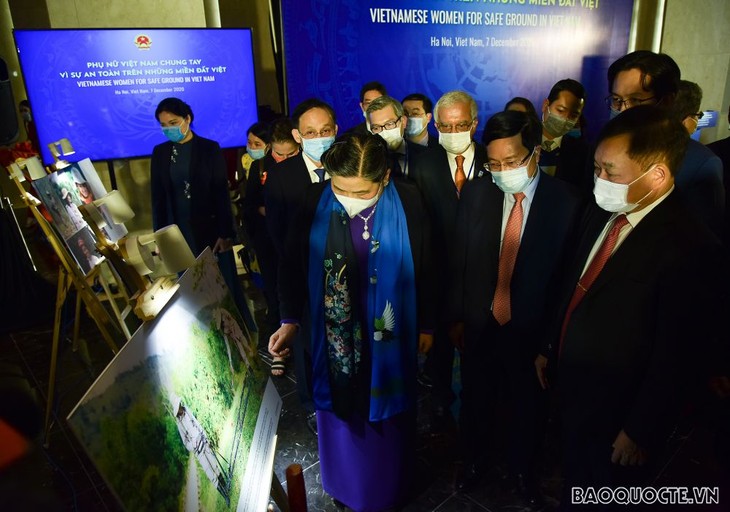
[(222, 245), (281, 339)]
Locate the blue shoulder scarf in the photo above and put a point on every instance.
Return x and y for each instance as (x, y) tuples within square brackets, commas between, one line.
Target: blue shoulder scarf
[(391, 330)]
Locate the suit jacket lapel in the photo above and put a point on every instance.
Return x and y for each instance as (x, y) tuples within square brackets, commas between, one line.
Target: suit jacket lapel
[(644, 235)]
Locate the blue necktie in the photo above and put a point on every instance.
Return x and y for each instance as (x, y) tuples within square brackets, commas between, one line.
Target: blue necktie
[(320, 174)]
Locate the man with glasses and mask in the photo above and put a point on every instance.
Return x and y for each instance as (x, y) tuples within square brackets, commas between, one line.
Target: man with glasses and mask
[(567, 158), (647, 78), (440, 173), (315, 129), (386, 118), (701, 182), (512, 230), (636, 308), (419, 110)]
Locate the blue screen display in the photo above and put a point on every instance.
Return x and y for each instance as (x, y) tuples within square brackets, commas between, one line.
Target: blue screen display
[(100, 87), (492, 49)]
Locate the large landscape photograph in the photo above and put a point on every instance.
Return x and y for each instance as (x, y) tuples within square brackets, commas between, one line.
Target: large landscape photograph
[(170, 423)]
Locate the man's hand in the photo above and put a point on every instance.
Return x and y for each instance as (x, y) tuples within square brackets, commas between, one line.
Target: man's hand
[(541, 363), (222, 245), (456, 335), (280, 340), (425, 341), (626, 452)]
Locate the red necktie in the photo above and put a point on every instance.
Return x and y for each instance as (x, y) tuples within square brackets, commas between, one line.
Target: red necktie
[(591, 273), (510, 245), (460, 176)]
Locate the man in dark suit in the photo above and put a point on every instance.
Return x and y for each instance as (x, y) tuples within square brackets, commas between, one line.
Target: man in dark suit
[(701, 176), (632, 328), (419, 110), (511, 235), (315, 129), (440, 173), (722, 149), (647, 78), (386, 118), (567, 158), (368, 93)]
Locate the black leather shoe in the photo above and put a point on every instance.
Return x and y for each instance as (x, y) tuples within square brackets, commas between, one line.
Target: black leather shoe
[(311, 421), (469, 478)]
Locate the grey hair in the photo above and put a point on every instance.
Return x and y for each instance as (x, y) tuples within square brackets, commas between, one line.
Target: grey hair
[(451, 98), (382, 102)]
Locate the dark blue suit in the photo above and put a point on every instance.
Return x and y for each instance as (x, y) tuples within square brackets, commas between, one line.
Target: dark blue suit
[(502, 357), (630, 344), (699, 183)]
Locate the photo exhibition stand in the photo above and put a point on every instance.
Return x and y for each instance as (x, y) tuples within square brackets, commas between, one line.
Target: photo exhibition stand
[(70, 278)]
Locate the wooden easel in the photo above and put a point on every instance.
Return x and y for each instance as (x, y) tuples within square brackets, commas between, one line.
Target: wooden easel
[(70, 276)]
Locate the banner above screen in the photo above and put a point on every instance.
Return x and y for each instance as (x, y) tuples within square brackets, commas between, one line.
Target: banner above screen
[(100, 87), (494, 50)]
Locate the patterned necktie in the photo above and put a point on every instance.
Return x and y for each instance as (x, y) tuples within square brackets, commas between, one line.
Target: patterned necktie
[(549, 145), (320, 174), (589, 276), (501, 308), (460, 176)]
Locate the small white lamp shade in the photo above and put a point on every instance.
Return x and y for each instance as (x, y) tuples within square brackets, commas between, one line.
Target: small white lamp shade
[(66, 147), (174, 251), (35, 168), (53, 148), (117, 207), (137, 254)]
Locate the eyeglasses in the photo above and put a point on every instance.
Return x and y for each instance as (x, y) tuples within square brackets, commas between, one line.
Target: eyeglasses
[(615, 102), (509, 165), (324, 132), (464, 126), (388, 125)]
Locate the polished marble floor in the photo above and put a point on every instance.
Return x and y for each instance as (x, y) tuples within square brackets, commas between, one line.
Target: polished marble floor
[(60, 476)]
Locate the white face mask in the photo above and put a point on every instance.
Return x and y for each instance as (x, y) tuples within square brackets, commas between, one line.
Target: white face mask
[(613, 197), (455, 143), (354, 205), (393, 137), (514, 180), (414, 126)]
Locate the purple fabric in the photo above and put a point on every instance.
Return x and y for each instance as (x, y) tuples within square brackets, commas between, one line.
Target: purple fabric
[(367, 466)]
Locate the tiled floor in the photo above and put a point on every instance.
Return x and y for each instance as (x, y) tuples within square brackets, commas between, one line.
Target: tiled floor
[(60, 477)]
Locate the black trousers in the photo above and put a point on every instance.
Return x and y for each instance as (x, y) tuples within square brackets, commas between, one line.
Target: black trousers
[(500, 393)]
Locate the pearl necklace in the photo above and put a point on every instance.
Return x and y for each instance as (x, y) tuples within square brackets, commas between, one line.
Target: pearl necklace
[(365, 232)]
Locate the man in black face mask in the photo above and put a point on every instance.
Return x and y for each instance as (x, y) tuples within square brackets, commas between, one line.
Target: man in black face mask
[(563, 155)]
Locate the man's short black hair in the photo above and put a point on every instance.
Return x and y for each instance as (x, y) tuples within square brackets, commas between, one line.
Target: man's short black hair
[(655, 135), (417, 96), (509, 123), (570, 85), (308, 105), (372, 86), (659, 73), (688, 100)]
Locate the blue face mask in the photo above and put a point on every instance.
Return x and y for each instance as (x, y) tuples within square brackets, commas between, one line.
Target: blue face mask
[(314, 148), (613, 113), (174, 133), (256, 154)]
